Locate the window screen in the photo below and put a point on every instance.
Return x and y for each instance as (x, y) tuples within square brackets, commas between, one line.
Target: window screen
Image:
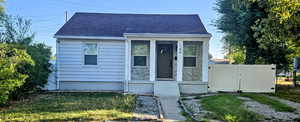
[(90, 54), (189, 50), (140, 49)]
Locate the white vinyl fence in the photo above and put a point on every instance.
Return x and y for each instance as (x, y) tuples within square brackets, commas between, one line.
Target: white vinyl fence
[(245, 78)]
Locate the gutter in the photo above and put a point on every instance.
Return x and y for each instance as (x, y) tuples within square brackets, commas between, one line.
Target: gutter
[(167, 35), (90, 37)]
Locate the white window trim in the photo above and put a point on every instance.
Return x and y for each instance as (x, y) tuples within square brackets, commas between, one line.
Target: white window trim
[(83, 54)]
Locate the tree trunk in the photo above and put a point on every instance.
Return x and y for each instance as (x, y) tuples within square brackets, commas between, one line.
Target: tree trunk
[(295, 78), (251, 54)]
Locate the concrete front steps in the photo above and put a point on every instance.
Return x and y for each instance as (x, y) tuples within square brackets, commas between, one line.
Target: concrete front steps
[(166, 89), (168, 94)]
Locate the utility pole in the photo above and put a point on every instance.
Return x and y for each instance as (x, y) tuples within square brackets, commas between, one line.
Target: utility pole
[(66, 15)]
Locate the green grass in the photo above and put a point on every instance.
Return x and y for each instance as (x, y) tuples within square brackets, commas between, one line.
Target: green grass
[(292, 94), (71, 106), (228, 108), (278, 106), (187, 117)]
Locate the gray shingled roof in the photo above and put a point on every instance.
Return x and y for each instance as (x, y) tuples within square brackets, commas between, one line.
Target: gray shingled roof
[(115, 25)]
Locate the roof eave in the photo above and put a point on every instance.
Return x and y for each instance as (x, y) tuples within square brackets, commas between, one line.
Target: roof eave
[(153, 35), (89, 37)]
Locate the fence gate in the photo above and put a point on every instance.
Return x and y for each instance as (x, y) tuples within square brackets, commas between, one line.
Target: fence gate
[(246, 78)]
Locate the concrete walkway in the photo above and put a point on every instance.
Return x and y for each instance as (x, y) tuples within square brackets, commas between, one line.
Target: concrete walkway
[(171, 109)]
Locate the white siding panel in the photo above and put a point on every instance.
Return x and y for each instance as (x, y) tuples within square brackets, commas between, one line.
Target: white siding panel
[(136, 88), (86, 85), (111, 61)]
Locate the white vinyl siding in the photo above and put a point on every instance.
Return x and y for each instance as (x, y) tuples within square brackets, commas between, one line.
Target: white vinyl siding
[(110, 61), (96, 86)]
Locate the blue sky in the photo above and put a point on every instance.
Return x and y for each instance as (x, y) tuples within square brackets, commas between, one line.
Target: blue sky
[(48, 16)]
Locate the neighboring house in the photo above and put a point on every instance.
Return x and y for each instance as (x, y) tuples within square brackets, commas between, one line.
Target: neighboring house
[(219, 61), (134, 53)]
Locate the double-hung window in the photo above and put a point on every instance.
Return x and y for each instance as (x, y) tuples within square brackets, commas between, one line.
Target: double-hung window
[(190, 55), (140, 52), (90, 53)]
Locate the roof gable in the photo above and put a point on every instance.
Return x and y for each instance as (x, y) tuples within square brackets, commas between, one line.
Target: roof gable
[(115, 25)]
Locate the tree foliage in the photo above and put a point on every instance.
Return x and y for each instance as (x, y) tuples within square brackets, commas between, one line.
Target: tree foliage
[(237, 56), (16, 33), (267, 30), (236, 21), (16, 30), (12, 74), (38, 74), (278, 34)]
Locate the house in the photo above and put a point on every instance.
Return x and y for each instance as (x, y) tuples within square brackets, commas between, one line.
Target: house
[(133, 53), (218, 61)]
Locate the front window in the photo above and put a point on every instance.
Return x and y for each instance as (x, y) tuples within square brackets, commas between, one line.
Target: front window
[(189, 53), (139, 53), (90, 53)]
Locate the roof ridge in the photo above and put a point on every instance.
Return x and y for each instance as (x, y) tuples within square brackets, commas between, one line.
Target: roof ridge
[(169, 14)]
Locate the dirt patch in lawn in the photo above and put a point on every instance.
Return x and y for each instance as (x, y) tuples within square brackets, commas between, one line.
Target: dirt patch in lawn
[(224, 107), (146, 108), (288, 93), (269, 113), (287, 102), (233, 107)]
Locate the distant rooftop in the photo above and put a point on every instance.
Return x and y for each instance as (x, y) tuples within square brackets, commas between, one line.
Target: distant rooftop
[(219, 61), (115, 25)]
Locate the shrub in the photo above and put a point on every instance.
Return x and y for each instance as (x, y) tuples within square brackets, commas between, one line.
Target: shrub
[(12, 75), (38, 74)]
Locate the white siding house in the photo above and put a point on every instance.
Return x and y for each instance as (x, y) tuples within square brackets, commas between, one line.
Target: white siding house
[(109, 71), (133, 53)]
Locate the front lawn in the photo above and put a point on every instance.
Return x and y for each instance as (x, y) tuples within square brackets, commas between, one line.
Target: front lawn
[(228, 108), (278, 106), (71, 106)]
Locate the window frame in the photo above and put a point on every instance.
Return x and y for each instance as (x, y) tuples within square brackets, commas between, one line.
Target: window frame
[(133, 56), (195, 56), (83, 54)]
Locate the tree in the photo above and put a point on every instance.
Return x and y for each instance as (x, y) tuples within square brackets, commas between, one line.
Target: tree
[(17, 33), (12, 75), (267, 31), (236, 56), (38, 74), (279, 32), (235, 22), (16, 30), (1, 6)]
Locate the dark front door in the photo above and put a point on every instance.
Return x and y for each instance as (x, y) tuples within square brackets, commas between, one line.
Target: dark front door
[(164, 60)]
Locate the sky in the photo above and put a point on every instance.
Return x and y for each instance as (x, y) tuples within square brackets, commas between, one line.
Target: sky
[(47, 16)]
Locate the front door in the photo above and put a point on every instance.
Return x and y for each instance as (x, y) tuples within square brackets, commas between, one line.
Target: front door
[(164, 61)]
